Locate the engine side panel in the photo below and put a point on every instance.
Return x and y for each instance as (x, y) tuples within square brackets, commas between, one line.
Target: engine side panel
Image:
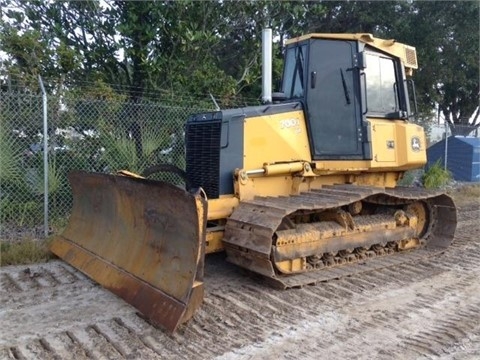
[(275, 138)]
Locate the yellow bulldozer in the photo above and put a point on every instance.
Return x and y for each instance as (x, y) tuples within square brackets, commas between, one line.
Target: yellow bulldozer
[(300, 190)]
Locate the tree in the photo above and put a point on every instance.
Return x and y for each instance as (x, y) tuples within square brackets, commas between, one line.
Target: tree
[(447, 38), (195, 48)]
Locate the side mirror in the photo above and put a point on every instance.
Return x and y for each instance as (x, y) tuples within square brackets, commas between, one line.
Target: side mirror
[(413, 97)]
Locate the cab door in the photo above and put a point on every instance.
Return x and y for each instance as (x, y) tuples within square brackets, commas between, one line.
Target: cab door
[(333, 100)]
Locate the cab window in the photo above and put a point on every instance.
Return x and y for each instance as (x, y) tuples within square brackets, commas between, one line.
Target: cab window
[(382, 89), (293, 76)]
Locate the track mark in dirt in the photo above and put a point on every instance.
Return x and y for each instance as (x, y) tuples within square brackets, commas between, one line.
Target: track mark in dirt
[(124, 340), (447, 333), (208, 326), (30, 278), (35, 350), (22, 280), (103, 344), (68, 276), (232, 310), (374, 324), (30, 314), (10, 354), (167, 346), (48, 349), (67, 345), (9, 284), (192, 335), (47, 279), (26, 278), (360, 285), (143, 348)]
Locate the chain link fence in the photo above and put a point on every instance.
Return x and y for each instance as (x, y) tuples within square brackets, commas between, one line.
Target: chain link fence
[(438, 132), (82, 134)]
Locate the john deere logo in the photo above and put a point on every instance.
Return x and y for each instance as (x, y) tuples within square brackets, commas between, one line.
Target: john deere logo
[(416, 144)]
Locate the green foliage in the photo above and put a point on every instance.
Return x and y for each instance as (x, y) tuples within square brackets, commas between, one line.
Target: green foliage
[(448, 53), (408, 178), (22, 178), (12, 182), (35, 179), (121, 154), (21, 213), (10, 158), (121, 151), (201, 47), (21, 201), (436, 176), (446, 36)]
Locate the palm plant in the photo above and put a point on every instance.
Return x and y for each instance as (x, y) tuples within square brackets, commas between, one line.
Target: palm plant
[(10, 159), (121, 153)]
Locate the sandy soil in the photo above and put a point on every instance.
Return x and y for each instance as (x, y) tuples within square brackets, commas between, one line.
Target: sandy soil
[(429, 309)]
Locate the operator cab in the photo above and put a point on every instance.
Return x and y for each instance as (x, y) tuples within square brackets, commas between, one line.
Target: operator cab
[(341, 80)]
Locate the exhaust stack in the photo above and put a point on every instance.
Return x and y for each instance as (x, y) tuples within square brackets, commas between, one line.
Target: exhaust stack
[(267, 65)]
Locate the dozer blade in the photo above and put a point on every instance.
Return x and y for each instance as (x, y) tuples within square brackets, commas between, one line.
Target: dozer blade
[(141, 239)]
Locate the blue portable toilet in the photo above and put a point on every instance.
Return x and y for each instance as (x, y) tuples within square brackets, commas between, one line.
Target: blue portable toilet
[(463, 157)]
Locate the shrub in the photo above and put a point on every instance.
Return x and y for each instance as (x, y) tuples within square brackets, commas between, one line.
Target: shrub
[(436, 176), (410, 178)]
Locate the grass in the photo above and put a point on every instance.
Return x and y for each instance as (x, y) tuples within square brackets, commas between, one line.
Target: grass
[(27, 249), (24, 252), (468, 194)]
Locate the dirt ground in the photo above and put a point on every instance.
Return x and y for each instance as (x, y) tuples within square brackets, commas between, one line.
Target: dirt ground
[(429, 309)]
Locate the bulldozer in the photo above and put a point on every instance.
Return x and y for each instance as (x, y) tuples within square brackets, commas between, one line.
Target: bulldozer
[(300, 190)]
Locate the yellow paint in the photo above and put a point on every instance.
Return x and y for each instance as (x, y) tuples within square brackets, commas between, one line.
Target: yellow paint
[(384, 142), (268, 145), (403, 156), (275, 138), (292, 266), (407, 156), (288, 185), (282, 169), (130, 174), (214, 241), (221, 208)]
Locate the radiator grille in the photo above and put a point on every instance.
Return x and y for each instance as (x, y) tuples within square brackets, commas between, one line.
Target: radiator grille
[(202, 140)]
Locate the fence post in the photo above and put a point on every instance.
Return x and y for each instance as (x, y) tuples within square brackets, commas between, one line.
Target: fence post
[(446, 145), (45, 158)]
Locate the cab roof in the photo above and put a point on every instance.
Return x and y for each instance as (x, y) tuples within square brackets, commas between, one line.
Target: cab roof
[(406, 53)]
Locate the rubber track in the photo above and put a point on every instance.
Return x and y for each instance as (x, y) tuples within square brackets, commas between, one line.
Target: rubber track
[(260, 218)]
